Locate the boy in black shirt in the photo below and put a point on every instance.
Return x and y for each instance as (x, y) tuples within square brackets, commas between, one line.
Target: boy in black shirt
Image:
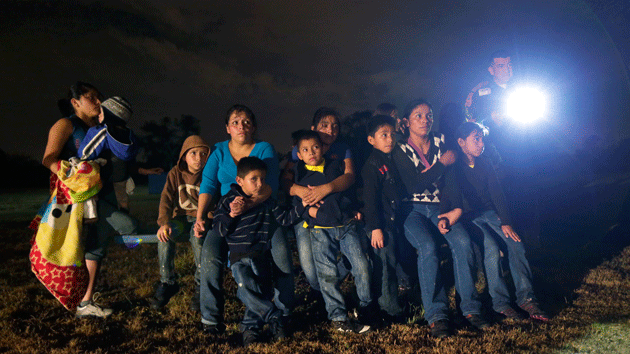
[(382, 192), (333, 231)]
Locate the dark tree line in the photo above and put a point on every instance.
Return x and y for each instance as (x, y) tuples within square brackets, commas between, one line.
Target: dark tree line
[(161, 141)]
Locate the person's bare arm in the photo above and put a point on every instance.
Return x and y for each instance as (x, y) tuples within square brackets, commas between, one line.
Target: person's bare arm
[(57, 138), (202, 214)]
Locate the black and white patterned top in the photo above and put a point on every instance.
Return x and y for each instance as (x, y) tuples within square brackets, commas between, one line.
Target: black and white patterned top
[(431, 192)]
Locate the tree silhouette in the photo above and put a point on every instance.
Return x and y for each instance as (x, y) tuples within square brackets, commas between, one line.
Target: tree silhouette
[(162, 141)]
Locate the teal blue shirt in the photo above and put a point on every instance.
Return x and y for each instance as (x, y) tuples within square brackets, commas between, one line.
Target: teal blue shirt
[(220, 170)]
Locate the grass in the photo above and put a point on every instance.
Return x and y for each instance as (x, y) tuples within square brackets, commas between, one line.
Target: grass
[(585, 288)]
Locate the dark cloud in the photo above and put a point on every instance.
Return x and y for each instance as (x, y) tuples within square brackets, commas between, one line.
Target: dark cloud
[(286, 58)]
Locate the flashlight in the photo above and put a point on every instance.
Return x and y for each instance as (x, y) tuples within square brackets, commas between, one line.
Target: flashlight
[(526, 105)]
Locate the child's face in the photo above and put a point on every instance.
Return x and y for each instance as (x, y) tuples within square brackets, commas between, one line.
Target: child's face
[(328, 129), (253, 182), (196, 159), (420, 120), (310, 151), (383, 139), (473, 145)]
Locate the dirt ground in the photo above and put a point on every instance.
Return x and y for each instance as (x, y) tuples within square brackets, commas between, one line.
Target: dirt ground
[(582, 282)]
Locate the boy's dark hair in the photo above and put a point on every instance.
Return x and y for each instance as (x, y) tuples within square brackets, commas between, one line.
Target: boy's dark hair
[(385, 109), (464, 130), (498, 54), (307, 135), (324, 112), (377, 122), (239, 108), (249, 164)]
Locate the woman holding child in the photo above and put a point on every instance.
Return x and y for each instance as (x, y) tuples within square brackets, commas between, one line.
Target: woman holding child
[(64, 140), (218, 174), (326, 123), (421, 159)]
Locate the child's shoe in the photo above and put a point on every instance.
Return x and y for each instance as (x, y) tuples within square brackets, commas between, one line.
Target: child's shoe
[(163, 294), (92, 310), (251, 336), (350, 326), (534, 311), (510, 313), (477, 321), (440, 329), (277, 328)]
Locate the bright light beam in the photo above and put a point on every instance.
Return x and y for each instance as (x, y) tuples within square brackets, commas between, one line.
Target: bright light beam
[(526, 105)]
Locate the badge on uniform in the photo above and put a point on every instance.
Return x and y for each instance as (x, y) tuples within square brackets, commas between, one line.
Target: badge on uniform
[(485, 91)]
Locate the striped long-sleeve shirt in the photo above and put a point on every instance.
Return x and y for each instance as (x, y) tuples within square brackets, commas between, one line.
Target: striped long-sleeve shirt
[(249, 234)]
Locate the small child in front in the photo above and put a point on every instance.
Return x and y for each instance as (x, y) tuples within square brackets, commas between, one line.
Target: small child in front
[(177, 214), (248, 234), (332, 230), (382, 192), (488, 211)]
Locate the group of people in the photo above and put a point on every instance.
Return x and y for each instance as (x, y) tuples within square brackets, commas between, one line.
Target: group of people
[(238, 209)]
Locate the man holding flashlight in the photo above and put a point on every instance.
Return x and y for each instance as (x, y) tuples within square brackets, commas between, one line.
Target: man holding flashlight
[(508, 145), (485, 103), (486, 100)]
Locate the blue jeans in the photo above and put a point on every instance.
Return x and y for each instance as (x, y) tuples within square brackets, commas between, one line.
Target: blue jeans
[(305, 252), (166, 250), (418, 218), (327, 243), (253, 278), (494, 240), (110, 221), (384, 279), (214, 257)]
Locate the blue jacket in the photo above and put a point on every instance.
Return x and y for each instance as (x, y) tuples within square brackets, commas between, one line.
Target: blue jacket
[(120, 140)]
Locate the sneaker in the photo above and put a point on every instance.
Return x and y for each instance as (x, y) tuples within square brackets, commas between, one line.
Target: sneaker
[(277, 328), (250, 336), (350, 326), (213, 329), (534, 311), (163, 294), (367, 314), (510, 313), (195, 301), (477, 321), (440, 329), (93, 310)]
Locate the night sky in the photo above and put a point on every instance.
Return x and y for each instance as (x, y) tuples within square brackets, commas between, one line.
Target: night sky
[(284, 59)]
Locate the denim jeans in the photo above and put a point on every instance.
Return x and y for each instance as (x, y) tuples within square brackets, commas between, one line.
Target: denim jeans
[(384, 279), (327, 243), (494, 240), (418, 218), (166, 250), (305, 253), (214, 257), (253, 278), (110, 221)]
